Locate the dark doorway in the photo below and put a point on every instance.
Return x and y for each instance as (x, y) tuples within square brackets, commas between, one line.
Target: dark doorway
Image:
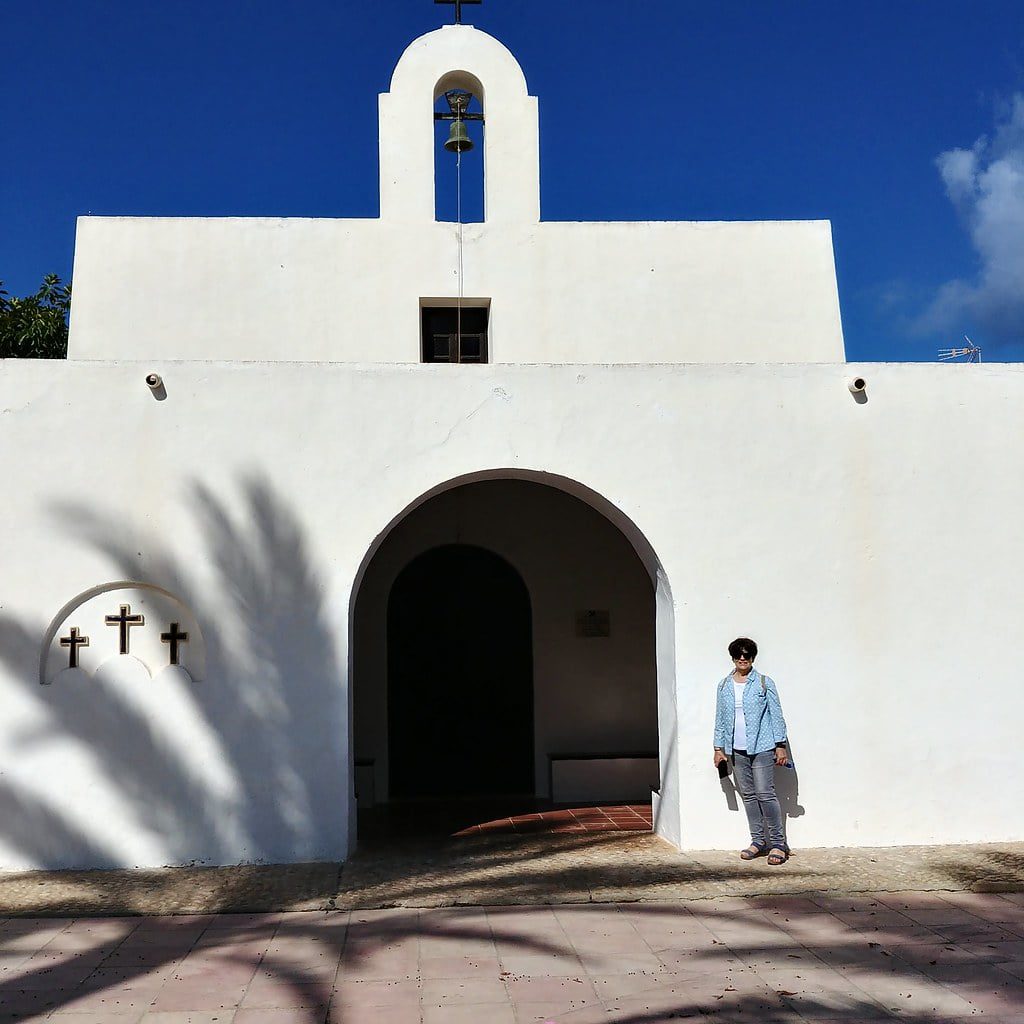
[(460, 677)]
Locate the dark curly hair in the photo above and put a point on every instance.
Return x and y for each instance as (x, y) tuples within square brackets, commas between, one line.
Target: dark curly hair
[(743, 645)]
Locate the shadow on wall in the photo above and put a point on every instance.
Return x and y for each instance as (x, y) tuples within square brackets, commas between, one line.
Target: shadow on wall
[(787, 788), (272, 707)]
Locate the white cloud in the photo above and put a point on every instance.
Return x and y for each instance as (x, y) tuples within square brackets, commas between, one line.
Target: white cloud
[(986, 185)]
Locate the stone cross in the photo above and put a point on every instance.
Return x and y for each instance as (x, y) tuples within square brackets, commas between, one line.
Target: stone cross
[(74, 641), (174, 637), (458, 7), (125, 621)]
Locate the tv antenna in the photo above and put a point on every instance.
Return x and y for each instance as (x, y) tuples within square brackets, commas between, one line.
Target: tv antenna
[(971, 353)]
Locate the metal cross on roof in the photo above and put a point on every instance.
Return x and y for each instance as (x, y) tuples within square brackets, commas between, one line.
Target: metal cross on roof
[(458, 7)]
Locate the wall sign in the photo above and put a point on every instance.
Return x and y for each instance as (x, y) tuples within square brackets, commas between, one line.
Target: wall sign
[(594, 622)]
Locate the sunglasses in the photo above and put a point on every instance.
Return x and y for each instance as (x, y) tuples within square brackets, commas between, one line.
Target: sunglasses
[(743, 657)]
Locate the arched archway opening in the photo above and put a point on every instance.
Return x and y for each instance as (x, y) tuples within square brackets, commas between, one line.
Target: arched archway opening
[(460, 677), (602, 638)]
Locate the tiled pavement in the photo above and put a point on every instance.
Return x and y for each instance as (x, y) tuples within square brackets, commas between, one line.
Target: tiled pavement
[(913, 956)]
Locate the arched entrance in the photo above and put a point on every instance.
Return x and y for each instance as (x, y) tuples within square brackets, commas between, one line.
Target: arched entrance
[(460, 677), (602, 632)]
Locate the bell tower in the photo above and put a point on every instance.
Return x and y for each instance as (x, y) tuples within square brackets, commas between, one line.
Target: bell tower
[(459, 57)]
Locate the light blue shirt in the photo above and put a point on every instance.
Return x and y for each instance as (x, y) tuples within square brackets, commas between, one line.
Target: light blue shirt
[(762, 713)]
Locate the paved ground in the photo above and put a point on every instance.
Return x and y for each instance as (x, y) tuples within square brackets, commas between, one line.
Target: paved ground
[(626, 867), (498, 926), (489, 870), (917, 957)]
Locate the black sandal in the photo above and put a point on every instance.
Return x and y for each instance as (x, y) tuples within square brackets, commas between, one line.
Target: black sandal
[(753, 851), (778, 855)]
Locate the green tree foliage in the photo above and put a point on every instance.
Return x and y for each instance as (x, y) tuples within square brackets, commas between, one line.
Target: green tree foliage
[(36, 327)]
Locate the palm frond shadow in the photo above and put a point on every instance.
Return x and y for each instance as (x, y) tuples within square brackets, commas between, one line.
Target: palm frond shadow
[(1000, 870), (276, 708), (520, 869), (274, 703), (869, 975)]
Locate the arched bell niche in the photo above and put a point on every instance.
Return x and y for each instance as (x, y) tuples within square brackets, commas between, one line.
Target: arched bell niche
[(459, 172), (458, 56)]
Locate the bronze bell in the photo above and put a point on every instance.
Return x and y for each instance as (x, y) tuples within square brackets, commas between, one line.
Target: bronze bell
[(458, 138)]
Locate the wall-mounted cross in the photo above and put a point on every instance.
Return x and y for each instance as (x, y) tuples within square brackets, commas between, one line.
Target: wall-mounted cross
[(74, 641), (458, 7), (125, 621), (174, 636)]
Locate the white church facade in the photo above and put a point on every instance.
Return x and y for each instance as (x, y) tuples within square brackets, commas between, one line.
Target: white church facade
[(266, 545)]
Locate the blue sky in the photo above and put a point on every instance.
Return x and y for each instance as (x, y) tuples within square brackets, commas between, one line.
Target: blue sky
[(902, 122)]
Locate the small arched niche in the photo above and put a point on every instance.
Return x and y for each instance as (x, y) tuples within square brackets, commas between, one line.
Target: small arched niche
[(138, 621)]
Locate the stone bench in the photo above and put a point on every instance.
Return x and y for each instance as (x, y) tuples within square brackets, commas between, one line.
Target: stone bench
[(618, 777)]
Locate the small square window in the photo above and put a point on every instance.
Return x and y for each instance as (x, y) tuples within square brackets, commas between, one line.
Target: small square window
[(454, 334)]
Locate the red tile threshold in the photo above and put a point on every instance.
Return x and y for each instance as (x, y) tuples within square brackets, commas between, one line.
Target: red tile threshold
[(612, 818)]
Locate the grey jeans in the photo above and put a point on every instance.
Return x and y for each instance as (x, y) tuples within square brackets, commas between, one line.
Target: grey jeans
[(755, 781)]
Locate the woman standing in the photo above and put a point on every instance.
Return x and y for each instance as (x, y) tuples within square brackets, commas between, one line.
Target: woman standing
[(749, 726)]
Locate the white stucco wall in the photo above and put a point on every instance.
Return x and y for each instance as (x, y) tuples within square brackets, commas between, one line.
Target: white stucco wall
[(591, 695), (350, 290), (872, 550)]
